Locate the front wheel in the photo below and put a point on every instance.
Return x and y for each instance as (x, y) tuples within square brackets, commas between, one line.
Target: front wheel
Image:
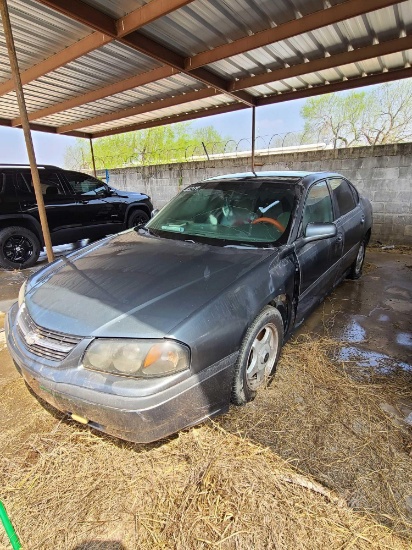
[(138, 217), (258, 355), (19, 248), (355, 270)]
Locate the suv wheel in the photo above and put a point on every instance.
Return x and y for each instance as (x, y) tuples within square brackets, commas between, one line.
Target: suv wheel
[(19, 248), (137, 217)]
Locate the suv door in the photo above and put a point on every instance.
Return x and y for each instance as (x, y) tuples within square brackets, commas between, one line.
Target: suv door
[(98, 211), (349, 218), (58, 203), (318, 260), (9, 201)]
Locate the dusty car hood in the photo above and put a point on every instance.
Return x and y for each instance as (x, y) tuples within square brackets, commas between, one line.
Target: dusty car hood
[(134, 285)]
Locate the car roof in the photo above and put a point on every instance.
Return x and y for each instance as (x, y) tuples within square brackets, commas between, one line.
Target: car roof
[(263, 174), (287, 176)]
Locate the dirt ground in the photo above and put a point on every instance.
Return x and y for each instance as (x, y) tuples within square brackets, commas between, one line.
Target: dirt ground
[(322, 457)]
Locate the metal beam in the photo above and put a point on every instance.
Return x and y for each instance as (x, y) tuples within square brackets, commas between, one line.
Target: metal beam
[(82, 47), (253, 138), (84, 13), (336, 60), (93, 161), (147, 14), (175, 118), (357, 82), (43, 128), (128, 84), (311, 22), (26, 127), (140, 109)]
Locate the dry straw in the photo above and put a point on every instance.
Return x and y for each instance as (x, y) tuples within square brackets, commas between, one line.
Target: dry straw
[(286, 472)]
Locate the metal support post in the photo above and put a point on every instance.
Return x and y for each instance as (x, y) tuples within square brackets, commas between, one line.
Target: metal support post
[(93, 161), (253, 138), (26, 127)]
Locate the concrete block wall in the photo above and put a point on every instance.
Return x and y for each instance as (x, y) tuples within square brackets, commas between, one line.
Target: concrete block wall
[(382, 173)]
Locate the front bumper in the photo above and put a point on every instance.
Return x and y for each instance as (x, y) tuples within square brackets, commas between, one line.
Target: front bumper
[(119, 407)]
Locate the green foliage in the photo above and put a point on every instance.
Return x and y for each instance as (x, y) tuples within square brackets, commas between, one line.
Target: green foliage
[(164, 144), (380, 115)]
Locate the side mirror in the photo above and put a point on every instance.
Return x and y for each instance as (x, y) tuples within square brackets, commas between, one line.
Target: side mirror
[(317, 231)]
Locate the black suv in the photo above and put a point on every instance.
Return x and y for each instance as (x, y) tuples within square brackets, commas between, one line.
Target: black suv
[(78, 206)]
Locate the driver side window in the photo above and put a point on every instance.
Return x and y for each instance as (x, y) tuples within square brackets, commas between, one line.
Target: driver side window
[(82, 184), (318, 206)]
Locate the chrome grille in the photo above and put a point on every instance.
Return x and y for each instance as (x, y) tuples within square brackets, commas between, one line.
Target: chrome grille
[(43, 342)]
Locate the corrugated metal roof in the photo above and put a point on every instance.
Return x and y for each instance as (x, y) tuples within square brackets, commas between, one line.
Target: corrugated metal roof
[(200, 26), (38, 32)]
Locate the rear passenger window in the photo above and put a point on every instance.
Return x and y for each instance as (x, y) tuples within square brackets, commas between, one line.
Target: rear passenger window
[(22, 185), (49, 182), (343, 195), (318, 206), (7, 186)]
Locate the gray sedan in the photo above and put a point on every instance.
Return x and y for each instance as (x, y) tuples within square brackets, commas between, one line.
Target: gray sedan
[(162, 326)]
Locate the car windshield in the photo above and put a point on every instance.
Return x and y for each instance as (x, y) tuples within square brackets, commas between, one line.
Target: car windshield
[(249, 212)]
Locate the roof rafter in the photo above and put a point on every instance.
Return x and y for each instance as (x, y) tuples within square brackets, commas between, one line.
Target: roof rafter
[(172, 119), (310, 22), (143, 44), (47, 129), (123, 85), (336, 60), (140, 109), (377, 78)]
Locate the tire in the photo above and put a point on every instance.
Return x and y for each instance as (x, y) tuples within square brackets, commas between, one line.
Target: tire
[(355, 270), (19, 248), (258, 355), (137, 217)]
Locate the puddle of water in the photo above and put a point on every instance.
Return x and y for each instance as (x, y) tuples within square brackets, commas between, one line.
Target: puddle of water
[(354, 332), (404, 339), (379, 362), (383, 318)]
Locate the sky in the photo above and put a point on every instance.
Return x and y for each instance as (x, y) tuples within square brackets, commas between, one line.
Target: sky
[(50, 148)]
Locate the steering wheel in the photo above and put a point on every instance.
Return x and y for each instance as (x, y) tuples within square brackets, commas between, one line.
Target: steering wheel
[(277, 224)]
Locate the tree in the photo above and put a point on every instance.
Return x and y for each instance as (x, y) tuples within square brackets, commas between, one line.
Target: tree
[(163, 144), (373, 117)]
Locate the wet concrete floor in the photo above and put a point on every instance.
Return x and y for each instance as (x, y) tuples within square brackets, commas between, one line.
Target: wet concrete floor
[(372, 315)]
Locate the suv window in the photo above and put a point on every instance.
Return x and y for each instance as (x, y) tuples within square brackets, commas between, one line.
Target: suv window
[(318, 206), (83, 184), (343, 196), (49, 181), (6, 184)]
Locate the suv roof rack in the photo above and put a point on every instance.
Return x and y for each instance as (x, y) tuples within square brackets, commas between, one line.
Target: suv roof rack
[(28, 166)]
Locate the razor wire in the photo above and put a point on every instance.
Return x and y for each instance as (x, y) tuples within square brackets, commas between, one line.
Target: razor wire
[(211, 150)]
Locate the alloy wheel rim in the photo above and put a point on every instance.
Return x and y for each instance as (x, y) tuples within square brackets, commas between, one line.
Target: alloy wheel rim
[(18, 249), (262, 356)]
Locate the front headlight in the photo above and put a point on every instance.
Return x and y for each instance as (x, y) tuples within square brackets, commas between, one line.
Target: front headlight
[(22, 293), (138, 358)]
